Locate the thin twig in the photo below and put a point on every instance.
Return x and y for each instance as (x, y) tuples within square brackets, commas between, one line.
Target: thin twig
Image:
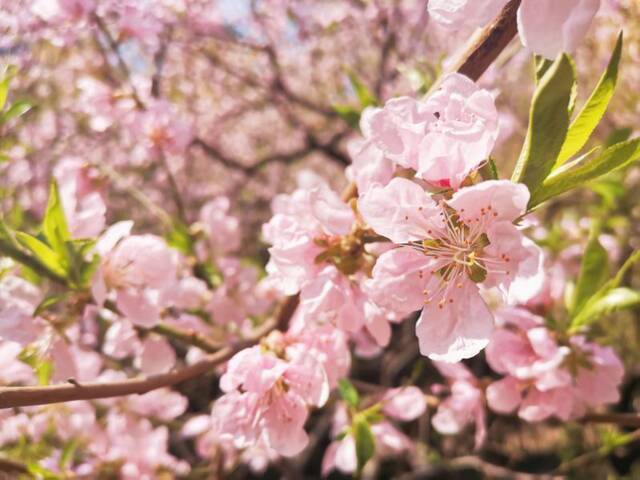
[(26, 396), (491, 42), (621, 419)]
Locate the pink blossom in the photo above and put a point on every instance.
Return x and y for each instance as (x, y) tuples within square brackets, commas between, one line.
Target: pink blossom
[(52, 10), (163, 129), (222, 229), (459, 14), (18, 301), (326, 343), (71, 361), (139, 446), (369, 164), (445, 137), (544, 378), (13, 370), (76, 8), (190, 293), (83, 204), (156, 356), (137, 268), (446, 251), (121, 340), (464, 405), (267, 397), (549, 28), (299, 220), (404, 403), (333, 298), (162, 404)]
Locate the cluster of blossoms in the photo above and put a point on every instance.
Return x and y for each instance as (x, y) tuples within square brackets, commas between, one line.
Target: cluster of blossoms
[(545, 377), (268, 390)]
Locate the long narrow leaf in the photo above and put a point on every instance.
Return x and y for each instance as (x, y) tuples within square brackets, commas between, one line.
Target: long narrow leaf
[(594, 269), (54, 225), (548, 124), (613, 158), (587, 120), (42, 253)]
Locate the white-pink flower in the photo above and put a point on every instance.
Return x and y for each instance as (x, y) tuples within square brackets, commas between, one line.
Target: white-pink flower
[(300, 220), (267, 397), (464, 405), (326, 343), (445, 252), (444, 138), (544, 378), (461, 14), (332, 298), (163, 129), (18, 301), (82, 201), (137, 268), (222, 229), (404, 403), (549, 27)]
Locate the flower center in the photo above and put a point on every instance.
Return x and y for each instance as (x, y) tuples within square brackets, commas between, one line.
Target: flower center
[(457, 247)]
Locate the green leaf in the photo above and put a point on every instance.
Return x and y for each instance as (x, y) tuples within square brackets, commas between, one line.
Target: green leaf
[(586, 121), (605, 301), (610, 189), (42, 253), (42, 367), (613, 301), (348, 393), (594, 270), (365, 441), (54, 225), (542, 64), (618, 135), (4, 91), (349, 114), (365, 96), (49, 302), (548, 124), (16, 110), (563, 180), (489, 170), (41, 472), (68, 452), (180, 238)]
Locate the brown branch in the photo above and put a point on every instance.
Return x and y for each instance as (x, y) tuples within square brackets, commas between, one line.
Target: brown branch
[(26, 396), (329, 148), (122, 65), (621, 419), (491, 42), (159, 60), (11, 467), (190, 337)]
